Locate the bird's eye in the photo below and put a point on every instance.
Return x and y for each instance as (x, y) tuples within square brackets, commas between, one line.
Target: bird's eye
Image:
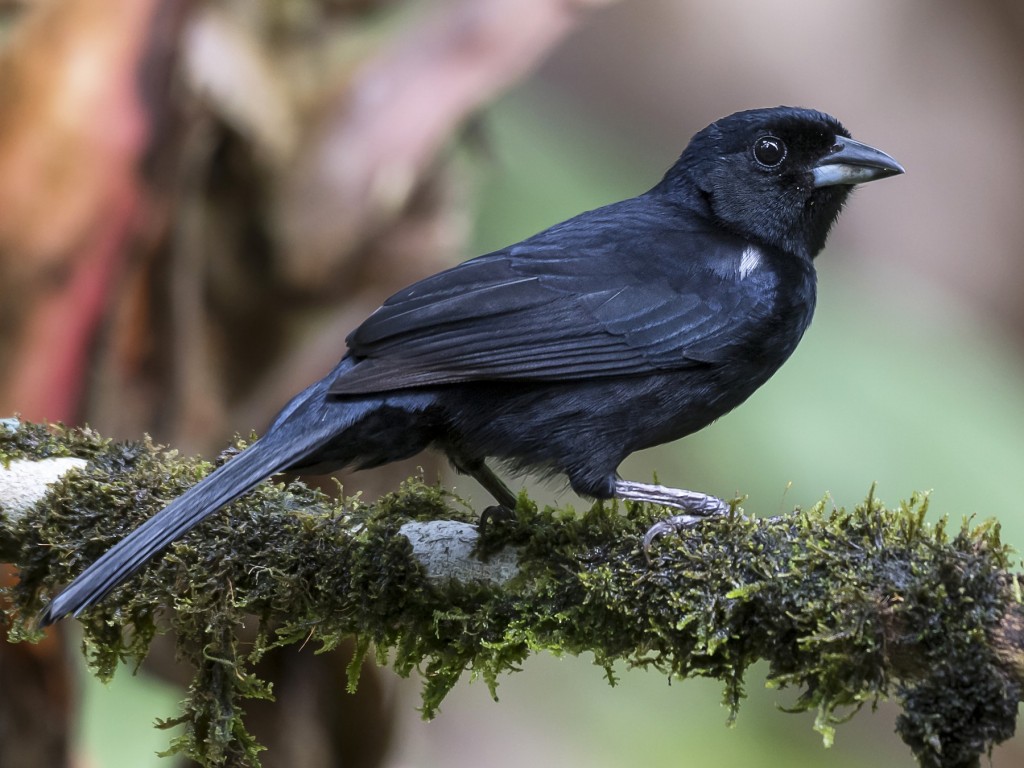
[(769, 151)]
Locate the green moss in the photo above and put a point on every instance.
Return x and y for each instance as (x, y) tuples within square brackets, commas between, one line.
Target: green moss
[(25, 440), (846, 606)]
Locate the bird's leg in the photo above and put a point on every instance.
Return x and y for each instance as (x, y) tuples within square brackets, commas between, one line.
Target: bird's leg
[(697, 506), (479, 471)]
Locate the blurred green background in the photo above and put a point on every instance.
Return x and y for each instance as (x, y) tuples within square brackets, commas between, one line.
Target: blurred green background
[(908, 379)]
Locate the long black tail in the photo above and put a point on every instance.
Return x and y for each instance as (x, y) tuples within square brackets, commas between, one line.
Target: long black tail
[(262, 459)]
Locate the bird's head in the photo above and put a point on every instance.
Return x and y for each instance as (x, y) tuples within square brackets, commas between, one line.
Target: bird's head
[(778, 176)]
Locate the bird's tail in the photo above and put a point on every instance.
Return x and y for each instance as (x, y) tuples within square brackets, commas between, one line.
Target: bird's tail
[(263, 458)]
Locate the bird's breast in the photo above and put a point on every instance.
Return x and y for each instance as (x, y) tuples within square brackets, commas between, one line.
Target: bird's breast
[(773, 301)]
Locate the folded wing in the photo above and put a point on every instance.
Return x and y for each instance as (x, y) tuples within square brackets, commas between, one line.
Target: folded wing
[(541, 312)]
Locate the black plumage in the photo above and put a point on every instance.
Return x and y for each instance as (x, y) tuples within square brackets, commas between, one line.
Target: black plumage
[(621, 328)]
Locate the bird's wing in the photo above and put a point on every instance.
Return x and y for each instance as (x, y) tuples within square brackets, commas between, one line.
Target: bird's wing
[(556, 307)]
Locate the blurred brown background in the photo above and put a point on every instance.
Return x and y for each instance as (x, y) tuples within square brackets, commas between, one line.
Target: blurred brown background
[(199, 199)]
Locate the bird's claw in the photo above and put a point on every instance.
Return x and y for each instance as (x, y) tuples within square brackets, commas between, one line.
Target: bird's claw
[(496, 513), (675, 524)]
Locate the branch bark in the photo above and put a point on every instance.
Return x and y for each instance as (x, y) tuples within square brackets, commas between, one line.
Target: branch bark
[(848, 606)]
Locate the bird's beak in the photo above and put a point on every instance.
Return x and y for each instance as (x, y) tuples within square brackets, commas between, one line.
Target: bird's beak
[(850, 162)]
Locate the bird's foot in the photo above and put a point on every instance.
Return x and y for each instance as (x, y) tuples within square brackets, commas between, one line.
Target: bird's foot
[(675, 525), (494, 514), (478, 470), (696, 507)]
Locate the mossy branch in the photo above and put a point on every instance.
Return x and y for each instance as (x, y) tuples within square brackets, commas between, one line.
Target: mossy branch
[(847, 606)]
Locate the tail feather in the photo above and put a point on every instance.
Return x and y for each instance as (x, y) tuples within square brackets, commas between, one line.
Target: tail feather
[(221, 487)]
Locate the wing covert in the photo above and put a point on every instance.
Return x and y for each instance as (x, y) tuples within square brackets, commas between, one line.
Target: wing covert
[(545, 312)]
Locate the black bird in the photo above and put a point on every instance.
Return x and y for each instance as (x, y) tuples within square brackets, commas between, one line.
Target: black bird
[(624, 327)]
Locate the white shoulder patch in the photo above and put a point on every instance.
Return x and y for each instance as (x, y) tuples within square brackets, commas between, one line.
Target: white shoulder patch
[(749, 261)]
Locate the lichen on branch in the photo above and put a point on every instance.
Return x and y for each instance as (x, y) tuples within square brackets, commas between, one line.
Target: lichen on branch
[(848, 607)]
